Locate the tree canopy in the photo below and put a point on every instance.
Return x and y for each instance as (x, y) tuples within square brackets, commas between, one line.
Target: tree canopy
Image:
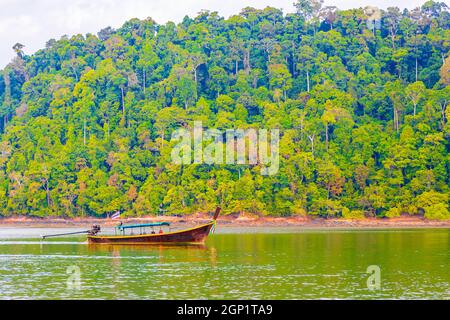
[(362, 109)]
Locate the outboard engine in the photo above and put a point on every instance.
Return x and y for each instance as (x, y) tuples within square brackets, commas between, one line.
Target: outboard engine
[(94, 230)]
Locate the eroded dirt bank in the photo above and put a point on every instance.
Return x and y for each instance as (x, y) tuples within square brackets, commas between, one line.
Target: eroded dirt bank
[(242, 220)]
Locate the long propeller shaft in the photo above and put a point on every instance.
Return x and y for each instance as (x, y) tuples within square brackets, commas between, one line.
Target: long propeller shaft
[(64, 234)]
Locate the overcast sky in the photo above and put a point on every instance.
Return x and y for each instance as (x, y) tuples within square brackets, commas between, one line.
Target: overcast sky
[(33, 22)]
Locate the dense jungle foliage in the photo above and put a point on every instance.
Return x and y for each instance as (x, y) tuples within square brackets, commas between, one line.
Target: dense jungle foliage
[(361, 104)]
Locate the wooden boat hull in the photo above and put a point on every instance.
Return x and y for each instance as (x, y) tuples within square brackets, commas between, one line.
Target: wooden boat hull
[(193, 235)]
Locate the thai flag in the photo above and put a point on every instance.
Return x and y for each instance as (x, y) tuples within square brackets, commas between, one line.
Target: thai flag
[(115, 215)]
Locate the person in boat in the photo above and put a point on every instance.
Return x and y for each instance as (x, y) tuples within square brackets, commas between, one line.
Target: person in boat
[(161, 231)]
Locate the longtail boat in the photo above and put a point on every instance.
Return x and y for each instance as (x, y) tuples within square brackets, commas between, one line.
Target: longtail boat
[(196, 234)]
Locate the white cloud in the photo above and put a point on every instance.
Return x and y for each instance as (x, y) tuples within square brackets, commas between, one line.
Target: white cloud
[(21, 24), (32, 23)]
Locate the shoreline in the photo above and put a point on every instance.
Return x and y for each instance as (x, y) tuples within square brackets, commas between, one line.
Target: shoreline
[(233, 221)]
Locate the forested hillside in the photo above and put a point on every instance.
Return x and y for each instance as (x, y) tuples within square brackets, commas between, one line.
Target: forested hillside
[(361, 108)]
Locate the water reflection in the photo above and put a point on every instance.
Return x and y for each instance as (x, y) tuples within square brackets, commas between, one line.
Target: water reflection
[(92, 247), (163, 253), (308, 265)]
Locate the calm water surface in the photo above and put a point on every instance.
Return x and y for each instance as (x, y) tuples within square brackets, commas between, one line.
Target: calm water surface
[(235, 263)]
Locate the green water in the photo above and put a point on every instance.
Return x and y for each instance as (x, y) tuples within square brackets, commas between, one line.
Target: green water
[(234, 264)]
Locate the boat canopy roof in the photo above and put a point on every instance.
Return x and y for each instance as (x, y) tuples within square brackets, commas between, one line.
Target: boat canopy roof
[(142, 225)]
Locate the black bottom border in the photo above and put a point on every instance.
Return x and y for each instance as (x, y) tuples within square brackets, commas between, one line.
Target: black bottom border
[(218, 309)]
